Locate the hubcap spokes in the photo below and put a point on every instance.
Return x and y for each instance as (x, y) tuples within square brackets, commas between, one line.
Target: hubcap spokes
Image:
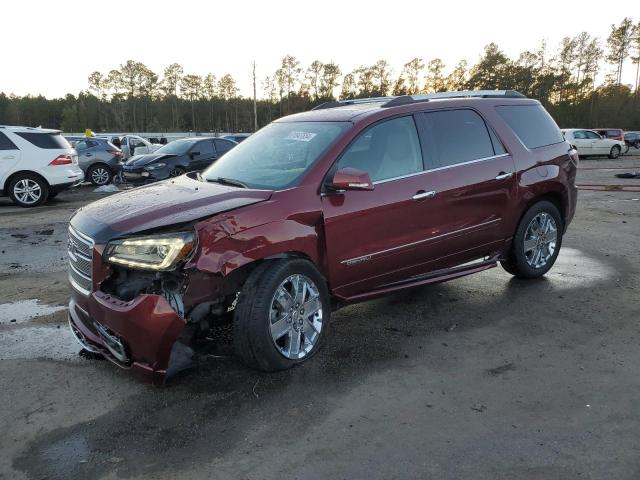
[(296, 316), (540, 240), (100, 176), (27, 191)]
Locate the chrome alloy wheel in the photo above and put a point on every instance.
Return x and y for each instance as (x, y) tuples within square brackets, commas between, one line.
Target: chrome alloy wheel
[(296, 316), (27, 191), (100, 176), (540, 240)]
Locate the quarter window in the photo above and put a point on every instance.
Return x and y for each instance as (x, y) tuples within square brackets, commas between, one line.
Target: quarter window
[(532, 124), (387, 150), (6, 144), (450, 137)]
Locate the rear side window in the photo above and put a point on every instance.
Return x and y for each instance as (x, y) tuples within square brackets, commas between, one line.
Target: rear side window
[(6, 144), (223, 146), (532, 124), (45, 140), (450, 137)]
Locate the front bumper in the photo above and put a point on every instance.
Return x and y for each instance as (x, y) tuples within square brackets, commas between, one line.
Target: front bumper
[(139, 335)]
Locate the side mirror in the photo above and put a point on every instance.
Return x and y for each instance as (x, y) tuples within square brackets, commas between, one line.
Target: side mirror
[(351, 179), (194, 154)]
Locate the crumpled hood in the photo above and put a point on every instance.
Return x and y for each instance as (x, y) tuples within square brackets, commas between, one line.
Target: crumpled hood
[(170, 202), (141, 160)]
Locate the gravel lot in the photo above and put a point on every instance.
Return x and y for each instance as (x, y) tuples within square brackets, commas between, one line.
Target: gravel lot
[(485, 377)]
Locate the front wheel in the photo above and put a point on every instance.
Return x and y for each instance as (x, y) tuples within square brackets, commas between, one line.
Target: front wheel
[(537, 241), (615, 152), (282, 315)]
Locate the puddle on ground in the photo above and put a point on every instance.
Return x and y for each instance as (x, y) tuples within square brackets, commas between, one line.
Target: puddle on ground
[(574, 268), (25, 310), (54, 342)]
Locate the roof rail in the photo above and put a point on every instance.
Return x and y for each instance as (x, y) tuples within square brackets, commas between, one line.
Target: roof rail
[(406, 99), (353, 101)]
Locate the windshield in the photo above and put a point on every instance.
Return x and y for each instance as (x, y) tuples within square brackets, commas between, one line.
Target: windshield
[(278, 155), (177, 147)]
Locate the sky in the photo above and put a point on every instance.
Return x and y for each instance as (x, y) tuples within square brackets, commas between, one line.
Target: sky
[(51, 48)]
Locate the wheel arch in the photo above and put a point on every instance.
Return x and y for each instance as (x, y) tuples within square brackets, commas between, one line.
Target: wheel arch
[(9, 179)]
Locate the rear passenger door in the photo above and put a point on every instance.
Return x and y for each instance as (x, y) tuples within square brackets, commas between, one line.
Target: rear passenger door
[(9, 157), (473, 180)]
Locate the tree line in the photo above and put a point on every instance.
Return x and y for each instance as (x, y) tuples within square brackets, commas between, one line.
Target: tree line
[(132, 97)]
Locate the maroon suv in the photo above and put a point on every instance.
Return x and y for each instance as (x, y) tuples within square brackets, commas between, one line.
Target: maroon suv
[(346, 202)]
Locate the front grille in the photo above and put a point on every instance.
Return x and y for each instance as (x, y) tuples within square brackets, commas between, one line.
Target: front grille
[(80, 250)]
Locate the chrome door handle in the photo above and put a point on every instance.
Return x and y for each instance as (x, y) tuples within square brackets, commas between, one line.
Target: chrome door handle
[(423, 195), (88, 155), (8, 157), (504, 176)]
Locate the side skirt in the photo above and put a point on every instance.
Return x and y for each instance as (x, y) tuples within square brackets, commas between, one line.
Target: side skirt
[(425, 279)]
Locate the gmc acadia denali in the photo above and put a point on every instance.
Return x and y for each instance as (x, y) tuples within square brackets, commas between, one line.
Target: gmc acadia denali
[(340, 204)]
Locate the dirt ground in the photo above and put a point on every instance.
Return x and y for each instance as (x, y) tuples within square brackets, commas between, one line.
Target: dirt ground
[(485, 377)]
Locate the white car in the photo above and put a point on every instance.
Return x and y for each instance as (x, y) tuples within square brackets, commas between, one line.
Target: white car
[(132, 145), (589, 142), (36, 164)]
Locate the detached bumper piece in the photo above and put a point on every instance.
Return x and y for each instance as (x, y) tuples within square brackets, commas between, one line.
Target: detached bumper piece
[(139, 335)]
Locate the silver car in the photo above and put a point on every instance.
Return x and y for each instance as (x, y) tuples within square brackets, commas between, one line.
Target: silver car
[(98, 158)]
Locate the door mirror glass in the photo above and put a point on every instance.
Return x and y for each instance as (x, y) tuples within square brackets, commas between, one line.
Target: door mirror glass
[(351, 179)]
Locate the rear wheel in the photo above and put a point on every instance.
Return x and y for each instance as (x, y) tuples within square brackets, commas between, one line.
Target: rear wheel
[(282, 315), (615, 151), (28, 190), (99, 175), (537, 242)]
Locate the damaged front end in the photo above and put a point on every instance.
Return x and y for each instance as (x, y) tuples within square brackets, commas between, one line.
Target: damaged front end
[(153, 311)]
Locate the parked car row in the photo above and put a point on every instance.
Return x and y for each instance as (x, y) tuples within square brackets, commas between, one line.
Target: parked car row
[(589, 143)]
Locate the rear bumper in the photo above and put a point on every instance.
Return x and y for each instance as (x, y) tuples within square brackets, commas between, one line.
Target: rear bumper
[(138, 335)]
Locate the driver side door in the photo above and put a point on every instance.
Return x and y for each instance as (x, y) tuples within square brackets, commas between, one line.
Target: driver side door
[(201, 155), (373, 237)]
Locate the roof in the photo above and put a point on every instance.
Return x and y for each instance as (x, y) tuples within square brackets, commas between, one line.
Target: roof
[(28, 129), (361, 108)]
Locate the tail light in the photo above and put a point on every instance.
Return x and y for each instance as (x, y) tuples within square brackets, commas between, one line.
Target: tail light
[(62, 160)]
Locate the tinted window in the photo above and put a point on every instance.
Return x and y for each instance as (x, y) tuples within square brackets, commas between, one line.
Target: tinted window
[(591, 135), (45, 140), (223, 146), (205, 148), (454, 136), (532, 124), (6, 144), (387, 150)]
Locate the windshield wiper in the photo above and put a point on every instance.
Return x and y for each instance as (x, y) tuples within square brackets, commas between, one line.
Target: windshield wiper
[(228, 181)]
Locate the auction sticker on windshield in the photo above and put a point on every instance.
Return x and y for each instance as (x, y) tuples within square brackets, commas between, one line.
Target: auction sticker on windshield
[(300, 136)]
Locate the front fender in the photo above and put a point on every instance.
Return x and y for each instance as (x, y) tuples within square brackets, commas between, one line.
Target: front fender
[(257, 243)]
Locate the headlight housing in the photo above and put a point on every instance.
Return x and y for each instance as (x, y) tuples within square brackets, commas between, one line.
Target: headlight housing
[(155, 252), (155, 166)]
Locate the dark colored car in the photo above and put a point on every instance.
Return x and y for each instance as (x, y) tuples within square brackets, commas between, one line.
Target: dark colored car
[(98, 158), (341, 204), (175, 159), (237, 137), (632, 139)]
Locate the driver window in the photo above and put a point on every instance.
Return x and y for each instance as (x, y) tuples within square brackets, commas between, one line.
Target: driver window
[(592, 135), (579, 135), (387, 150)]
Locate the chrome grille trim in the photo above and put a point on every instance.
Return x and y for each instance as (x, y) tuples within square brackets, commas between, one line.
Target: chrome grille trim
[(80, 252)]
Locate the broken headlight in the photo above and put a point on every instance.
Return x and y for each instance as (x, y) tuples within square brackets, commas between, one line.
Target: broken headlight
[(155, 252)]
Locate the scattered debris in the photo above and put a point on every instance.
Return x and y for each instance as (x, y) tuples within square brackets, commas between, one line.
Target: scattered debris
[(45, 232), (479, 408), (628, 175), (501, 369), (19, 235), (111, 188), (452, 327)]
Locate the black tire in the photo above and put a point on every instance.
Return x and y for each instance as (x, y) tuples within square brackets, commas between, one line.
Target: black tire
[(252, 339), (636, 144), (516, 262), (31, 180), (615, 152), (177, 171), (100, 175)]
